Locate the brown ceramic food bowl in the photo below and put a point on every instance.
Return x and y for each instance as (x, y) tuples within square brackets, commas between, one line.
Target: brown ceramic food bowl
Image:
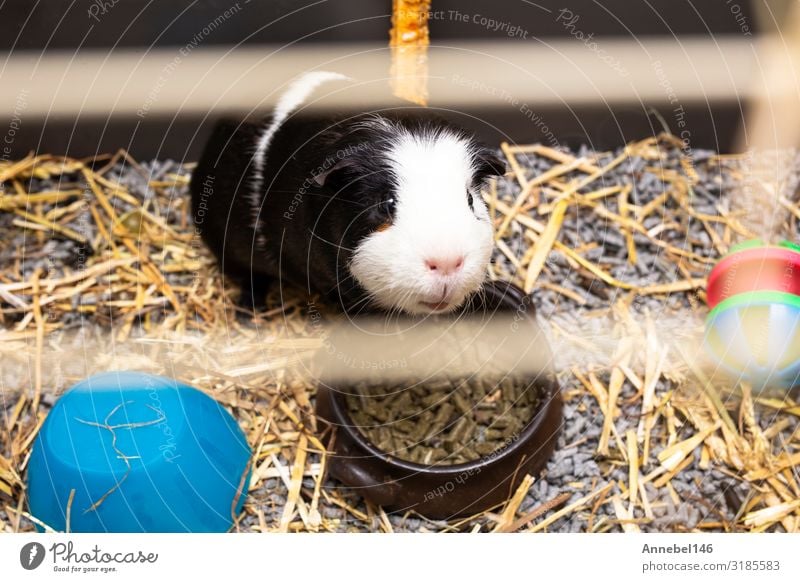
[(446, 491)]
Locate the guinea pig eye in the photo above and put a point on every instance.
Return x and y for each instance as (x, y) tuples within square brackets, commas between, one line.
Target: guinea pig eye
[(388, 206), (470, 201), (385, 214)]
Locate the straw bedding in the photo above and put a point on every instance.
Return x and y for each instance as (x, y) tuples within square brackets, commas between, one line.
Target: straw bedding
[(100, 266)]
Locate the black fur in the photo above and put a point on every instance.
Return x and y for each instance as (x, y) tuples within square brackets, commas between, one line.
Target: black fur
[(325, 186)]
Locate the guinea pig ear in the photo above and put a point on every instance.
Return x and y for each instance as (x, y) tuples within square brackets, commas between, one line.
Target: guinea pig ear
[(488, 164), (328, 174)]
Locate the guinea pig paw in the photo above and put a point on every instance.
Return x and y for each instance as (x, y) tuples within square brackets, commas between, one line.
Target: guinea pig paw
[(252, 299)]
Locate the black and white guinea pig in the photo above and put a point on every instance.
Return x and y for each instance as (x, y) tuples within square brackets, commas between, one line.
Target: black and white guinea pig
[(372, 211)]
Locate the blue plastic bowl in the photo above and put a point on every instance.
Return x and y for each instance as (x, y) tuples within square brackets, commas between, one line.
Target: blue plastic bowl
[(756, 337), (143, 453)]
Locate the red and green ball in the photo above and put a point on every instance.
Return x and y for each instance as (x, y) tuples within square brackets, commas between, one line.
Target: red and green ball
[(753, 329)]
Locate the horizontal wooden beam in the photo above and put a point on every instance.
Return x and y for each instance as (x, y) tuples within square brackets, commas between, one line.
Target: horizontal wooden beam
[(534, 73)]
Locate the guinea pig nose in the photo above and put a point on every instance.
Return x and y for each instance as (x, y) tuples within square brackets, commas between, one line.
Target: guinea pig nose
[(444, 265)]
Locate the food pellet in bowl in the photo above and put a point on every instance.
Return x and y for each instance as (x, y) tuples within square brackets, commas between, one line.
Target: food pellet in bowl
[(444, 421)]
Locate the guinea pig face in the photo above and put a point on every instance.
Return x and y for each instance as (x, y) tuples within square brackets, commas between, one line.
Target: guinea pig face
[(434, 249)]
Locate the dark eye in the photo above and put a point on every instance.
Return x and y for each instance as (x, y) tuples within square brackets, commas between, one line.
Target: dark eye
[(386, 211), (469, 201), (383, 215)]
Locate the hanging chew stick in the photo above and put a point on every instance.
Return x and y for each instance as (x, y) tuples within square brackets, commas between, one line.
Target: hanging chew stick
[(409, 42)]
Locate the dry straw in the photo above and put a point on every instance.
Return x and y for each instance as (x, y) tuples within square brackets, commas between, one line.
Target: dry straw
[(148, 281)]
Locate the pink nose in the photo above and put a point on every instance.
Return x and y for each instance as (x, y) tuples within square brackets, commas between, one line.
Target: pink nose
[(445, 265)]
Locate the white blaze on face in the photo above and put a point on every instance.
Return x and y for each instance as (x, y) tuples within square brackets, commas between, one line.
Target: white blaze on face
[(436, 251)]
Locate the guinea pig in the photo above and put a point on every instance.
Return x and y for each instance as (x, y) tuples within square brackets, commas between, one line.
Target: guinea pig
[(373, 211)]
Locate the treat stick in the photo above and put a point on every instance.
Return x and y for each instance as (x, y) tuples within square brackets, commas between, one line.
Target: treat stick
[(409, 40)]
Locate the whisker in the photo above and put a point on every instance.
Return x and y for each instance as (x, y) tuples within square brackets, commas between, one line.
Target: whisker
[(315, 235)]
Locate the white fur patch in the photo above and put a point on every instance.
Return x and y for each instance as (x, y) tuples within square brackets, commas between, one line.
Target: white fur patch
[(432, 220), (294, 97)]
